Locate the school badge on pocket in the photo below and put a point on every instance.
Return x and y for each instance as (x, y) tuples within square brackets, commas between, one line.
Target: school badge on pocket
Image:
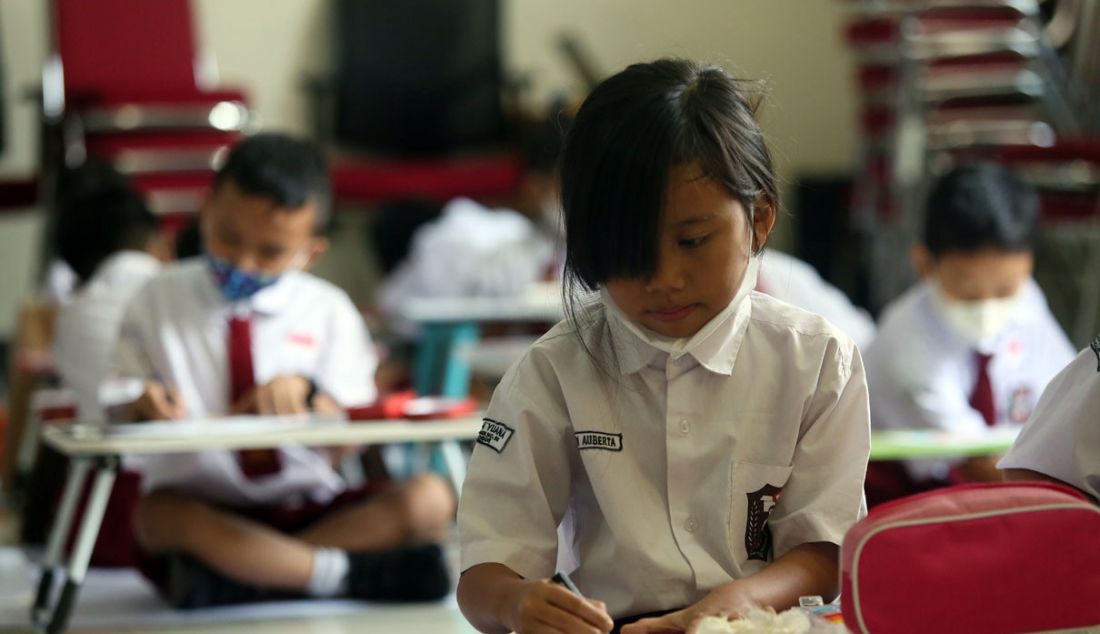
[(758, 536)]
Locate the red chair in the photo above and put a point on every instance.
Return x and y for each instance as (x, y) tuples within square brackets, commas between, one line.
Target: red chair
[(125, 83)]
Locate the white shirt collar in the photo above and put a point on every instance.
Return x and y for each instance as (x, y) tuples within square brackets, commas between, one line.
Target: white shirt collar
[(714, 346)]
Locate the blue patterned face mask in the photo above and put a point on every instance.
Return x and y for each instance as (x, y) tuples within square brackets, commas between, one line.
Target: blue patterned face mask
[(236, 284)]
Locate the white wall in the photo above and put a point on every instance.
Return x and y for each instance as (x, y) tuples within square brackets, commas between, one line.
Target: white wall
[(794, 45)]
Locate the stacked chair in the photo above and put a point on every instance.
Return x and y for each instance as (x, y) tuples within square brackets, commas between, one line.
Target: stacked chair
[(417, 105), (125, 83), (944, 80)]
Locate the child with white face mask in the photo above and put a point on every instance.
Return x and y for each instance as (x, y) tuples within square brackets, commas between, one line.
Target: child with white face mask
[(973, 345), (682, 445)]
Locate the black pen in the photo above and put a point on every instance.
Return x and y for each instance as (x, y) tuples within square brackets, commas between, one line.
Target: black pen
[(563, 579)]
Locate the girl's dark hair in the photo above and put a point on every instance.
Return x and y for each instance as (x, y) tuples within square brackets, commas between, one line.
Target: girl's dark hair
[(980, 205), (628, 135), (99, 214)]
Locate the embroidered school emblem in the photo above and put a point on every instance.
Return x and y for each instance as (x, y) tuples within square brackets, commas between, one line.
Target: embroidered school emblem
[(599, 440), (758, 536), (1095, 345), (494, 434), (1019, 404)]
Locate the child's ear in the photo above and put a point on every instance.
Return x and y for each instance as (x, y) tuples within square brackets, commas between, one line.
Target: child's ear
[(317, 247), (763, 219), (921, 259)]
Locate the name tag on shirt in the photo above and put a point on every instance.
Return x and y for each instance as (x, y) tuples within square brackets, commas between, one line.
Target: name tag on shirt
[(599, 440), (494, 434)]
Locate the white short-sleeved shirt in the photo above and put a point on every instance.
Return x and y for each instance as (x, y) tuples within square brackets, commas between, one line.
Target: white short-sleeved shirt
[(921, 372), (87, 326), (175, 331), (652, 479), (470, 251), (787, 278), (1062, 439)]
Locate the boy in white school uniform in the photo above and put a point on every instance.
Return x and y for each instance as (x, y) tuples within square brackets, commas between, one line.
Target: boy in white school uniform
[(973, 345), (245, 329), (1061, 442), (112, 241)]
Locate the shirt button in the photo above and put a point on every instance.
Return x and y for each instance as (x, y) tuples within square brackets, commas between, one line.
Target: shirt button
[(685, 426), (691, 525)]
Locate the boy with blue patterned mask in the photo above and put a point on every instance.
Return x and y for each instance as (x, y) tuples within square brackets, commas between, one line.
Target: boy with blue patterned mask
[(246, 330), (259, 224), (260, 218)]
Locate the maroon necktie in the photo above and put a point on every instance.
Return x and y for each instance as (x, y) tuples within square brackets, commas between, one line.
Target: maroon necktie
[(254, 463), (981, 399)]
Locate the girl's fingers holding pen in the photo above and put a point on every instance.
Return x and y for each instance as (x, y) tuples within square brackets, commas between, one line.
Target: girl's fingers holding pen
[(549, 607), (594, 613), (561, 620)]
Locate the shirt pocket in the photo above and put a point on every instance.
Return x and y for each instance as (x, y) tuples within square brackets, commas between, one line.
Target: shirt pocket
[(755, 489)]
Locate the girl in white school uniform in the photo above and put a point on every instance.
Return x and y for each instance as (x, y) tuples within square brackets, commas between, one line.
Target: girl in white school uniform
[(683, 446)]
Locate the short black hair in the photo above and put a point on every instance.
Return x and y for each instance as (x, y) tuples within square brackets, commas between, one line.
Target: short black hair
[(628, 135), (980, 205), (289, 171), (99, 214)]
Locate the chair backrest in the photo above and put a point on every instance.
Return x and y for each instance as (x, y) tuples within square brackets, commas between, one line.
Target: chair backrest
[(125, 49), (418, 76)]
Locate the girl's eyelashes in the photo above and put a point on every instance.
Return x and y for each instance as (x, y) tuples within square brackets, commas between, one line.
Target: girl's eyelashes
[(691, 243)]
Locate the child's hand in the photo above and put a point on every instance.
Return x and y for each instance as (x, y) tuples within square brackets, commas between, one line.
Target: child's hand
[(284, 394), (728, 601), (158, 402), (542, 606)]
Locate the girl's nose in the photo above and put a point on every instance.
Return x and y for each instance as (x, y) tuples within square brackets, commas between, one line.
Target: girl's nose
[(668, 276)]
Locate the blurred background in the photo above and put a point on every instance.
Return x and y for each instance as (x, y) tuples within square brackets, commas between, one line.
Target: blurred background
[(418, 103), (421, 102)]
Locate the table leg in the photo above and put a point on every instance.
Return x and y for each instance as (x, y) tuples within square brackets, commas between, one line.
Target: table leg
[(106, 470), (455, 460), (78, 473)]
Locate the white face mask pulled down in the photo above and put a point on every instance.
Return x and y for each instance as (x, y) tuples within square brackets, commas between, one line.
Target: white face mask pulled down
[(980, 322), (676, 347)]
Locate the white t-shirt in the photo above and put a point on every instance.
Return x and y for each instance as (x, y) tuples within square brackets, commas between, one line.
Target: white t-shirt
[(87, 327), (787, 278), (470, 251), (176, 331), (652, 479), (1062, 439), (921, 372)]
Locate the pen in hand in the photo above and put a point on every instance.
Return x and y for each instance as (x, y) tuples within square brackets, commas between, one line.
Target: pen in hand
[(563, 579)]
